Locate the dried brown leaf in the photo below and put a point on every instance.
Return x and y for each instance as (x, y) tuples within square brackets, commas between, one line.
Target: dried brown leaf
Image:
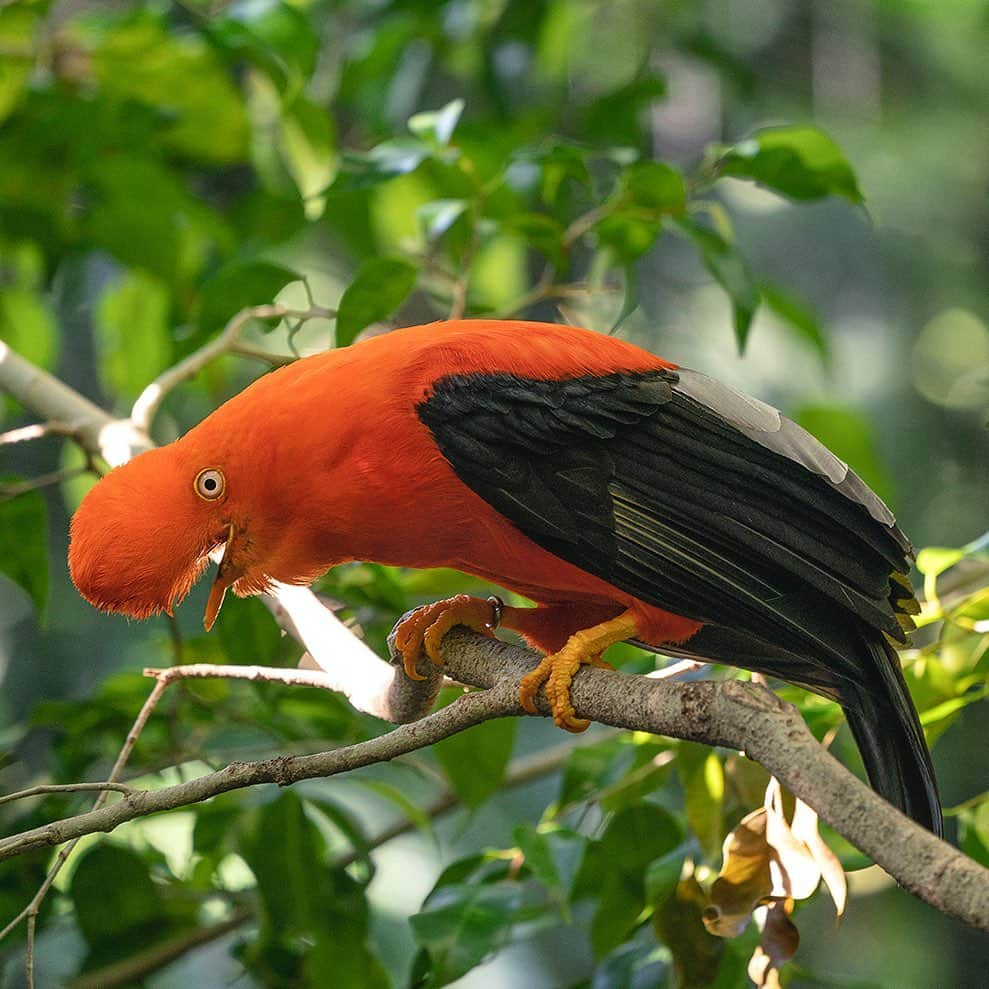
[(793, 867), (745, 879), (804, 827), (778, 944)]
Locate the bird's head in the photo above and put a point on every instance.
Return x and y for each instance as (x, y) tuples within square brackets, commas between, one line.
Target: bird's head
[(145, 532)]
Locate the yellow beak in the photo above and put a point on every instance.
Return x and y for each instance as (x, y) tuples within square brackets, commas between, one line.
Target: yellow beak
[(226, 574)]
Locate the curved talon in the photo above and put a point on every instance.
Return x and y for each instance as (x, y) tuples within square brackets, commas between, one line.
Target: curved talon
[(557, 670), (421, 634)]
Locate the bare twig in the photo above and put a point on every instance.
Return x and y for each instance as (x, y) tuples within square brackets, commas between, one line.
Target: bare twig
[(260, 354), (16, 488), (98, 432), (731, 714), (585, 222), (154, 958), (46, 788), (349, 666), (144, 409), (36, 431), (30, 912), (678, 669), (523, 770)]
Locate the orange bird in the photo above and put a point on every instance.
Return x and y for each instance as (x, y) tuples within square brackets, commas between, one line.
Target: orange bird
[(631, 499)]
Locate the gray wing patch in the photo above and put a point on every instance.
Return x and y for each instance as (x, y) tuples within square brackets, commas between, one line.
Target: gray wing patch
[(766, 426)]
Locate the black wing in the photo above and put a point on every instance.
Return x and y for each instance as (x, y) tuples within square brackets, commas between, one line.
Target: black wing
[(708, 504)]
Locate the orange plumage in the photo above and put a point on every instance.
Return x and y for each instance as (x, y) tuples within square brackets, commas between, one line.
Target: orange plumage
[(627, 497)]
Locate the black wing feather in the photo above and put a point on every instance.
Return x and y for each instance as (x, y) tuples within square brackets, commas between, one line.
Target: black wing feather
[(711, 505)]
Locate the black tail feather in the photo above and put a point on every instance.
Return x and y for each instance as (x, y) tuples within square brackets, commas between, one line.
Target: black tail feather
[(877, 705), (888, 733)]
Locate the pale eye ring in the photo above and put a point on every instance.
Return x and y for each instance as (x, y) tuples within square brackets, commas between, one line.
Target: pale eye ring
[(210, 484)]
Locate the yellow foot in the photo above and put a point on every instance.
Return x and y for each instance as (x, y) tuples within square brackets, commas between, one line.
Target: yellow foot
[(557, 670), (422, 632)]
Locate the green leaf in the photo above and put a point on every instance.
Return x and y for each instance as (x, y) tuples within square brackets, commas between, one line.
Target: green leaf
[(132, 333), (286, 856), (592, 767), (247, 632), (114, 895), (308, 144), (662, 876), (619, 905), (275, 36), (311, 911), (438, 216), (383, 162), (552, 856), (19, 26), (973, 832), (237, 286), (615, 867), (24, 544), (654, 185), (437, 126), (798, 316), (540, 232), (636, 835), (380, 286), (703, 779), (27, 325), (628, 233), (155, 235), (349, 827), (474, 761), (181, 76), (460, 925), (731, 272), (800, 162), (932, 561)]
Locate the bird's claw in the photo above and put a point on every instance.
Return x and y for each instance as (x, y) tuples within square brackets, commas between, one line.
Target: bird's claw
[(420, 634), (557, 672)]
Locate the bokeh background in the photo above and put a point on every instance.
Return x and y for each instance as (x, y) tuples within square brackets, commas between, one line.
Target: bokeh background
[(163, 165)]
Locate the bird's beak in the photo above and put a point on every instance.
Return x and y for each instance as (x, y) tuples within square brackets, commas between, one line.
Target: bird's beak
[(227, 573)]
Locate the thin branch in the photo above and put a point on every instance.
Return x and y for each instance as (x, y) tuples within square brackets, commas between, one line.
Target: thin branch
[(731, 714), (255, 674), (36, 431), (465, 712), (144, 409), (260, 354), (98, 432), (157, 956), (586, 222), (30, 912), (17, 488), (544, 293), (349, 666), (523, 770), (46, 788), (458, 301), (678, 669)]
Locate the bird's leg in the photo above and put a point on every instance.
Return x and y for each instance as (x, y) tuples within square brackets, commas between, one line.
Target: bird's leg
[(423, 631), (557, 670)]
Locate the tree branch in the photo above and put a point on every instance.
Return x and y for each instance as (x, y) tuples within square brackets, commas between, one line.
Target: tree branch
[(98, 432), (226, 341), (730, 714)]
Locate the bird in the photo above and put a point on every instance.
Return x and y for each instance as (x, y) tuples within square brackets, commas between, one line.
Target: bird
[(628, 498)]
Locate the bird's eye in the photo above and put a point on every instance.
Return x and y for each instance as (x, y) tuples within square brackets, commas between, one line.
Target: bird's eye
[(210, 484)]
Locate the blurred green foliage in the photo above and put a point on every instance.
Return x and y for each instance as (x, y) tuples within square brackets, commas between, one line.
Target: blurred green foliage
[(163, 166)]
